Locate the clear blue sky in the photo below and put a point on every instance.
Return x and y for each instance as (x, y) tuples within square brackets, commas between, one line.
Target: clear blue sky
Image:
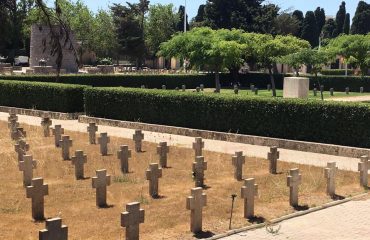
[(331, 6)]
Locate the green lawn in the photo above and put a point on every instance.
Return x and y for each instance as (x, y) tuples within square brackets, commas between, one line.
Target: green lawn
[(268, 94)]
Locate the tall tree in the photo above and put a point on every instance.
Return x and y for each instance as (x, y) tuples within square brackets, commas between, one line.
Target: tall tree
[(309, 29), (320, 19), (300, 17), (200, 15), (249, 15), (329, 28), (361, 20), (347, 23), (340, 18), (181, 18), (160, 26), (286, 24), (130, 30)]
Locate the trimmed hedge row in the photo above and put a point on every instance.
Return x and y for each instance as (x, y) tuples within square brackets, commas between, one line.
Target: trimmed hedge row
[(42, 96), (339, 83), (328, 122), (336, 72), (260, 80)]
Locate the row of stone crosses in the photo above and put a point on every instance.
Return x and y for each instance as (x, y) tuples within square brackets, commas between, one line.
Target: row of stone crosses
[(134, 215)]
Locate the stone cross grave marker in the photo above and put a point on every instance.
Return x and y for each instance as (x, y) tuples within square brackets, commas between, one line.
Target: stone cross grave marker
[(36, 192), (347, 90), (252, 87), (361, 89), (238, 160), (248, 192), (315, 92), (46, 123), (198, 145), (78, 160), (18, 133), (100, 182), (123, 155), (57, 132), (138, 138), (330, 172), (199, 166), (197, 89), (27, 166), (152, 175), (183, 88), (54, 230), (255, 91), (293, 181), (331, 91), (363, 167), (164, 87), (12, 116), (21, 148), (269, 87), (131, 219), (273, 156), (13, 125), (195, 203), (201, 87), (103, 140), (66, 144), (162, 151), (236, 89), (92, 129)]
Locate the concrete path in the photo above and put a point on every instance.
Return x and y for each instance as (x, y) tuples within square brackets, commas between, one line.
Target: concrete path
[(348, 221), (314, 159), (351, 99)]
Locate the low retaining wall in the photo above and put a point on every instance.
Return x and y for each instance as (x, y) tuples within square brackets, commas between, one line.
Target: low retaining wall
[(40, 113), (329, 149)]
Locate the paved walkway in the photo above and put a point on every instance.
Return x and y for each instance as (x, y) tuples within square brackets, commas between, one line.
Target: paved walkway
[(348, 221), (314, 159)]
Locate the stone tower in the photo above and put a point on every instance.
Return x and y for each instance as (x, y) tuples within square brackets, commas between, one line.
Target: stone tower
[(39, 50)]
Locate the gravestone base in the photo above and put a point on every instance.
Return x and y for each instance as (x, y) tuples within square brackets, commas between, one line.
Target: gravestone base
[(296, 87)]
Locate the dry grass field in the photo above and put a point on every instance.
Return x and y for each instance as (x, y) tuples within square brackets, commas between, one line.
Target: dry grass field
[(166, 217)]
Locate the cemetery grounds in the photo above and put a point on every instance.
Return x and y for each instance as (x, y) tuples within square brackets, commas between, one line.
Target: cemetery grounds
[(165, 217)]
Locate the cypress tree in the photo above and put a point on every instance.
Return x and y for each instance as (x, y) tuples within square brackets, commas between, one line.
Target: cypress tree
[(299, 16), (340, 18), (180, 24), (320, 19), (309, 29), (361, 20), (346, 26)]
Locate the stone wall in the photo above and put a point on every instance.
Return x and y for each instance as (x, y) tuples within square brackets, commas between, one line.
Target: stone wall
[(41, 35)]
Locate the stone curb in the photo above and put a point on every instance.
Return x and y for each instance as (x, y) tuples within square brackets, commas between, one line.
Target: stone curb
[(287, 217), (41, 113), (329, 149)]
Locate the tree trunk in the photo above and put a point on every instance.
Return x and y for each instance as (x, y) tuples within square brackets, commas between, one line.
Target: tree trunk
[(235, 75), (218, 84), (272, 82), (321, 89)]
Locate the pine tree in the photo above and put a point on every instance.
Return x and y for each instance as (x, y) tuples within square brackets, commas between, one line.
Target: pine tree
[(329, 28), (309, 29), (340, 18), (346, 26), (361, 20), (200, 15)]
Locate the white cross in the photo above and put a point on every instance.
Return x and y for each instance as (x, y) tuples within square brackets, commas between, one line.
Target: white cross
[(197, 146), (273, 156), (27, 166), (198, 169), (294, 180), (248, 192), (123, 155), (153, 174), (330, 173), (162, 150), (36, 192), (100, 182), (79, 160), (92, 129), (238, 160), (138, 138), (54, 230)]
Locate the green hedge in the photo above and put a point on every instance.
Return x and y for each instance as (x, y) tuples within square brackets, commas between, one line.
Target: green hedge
[(260, 80), (328, 122), (42, 96), (336, 72), (339, 83)]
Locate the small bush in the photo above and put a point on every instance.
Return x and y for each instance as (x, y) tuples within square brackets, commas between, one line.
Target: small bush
[(42, 96)]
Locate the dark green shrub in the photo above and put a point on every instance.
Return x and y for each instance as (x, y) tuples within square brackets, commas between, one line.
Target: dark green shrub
[(326, 122), (336, 72), (42, 96)]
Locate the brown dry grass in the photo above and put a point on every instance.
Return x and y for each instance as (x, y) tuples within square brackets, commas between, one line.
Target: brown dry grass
[(165, 218)]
